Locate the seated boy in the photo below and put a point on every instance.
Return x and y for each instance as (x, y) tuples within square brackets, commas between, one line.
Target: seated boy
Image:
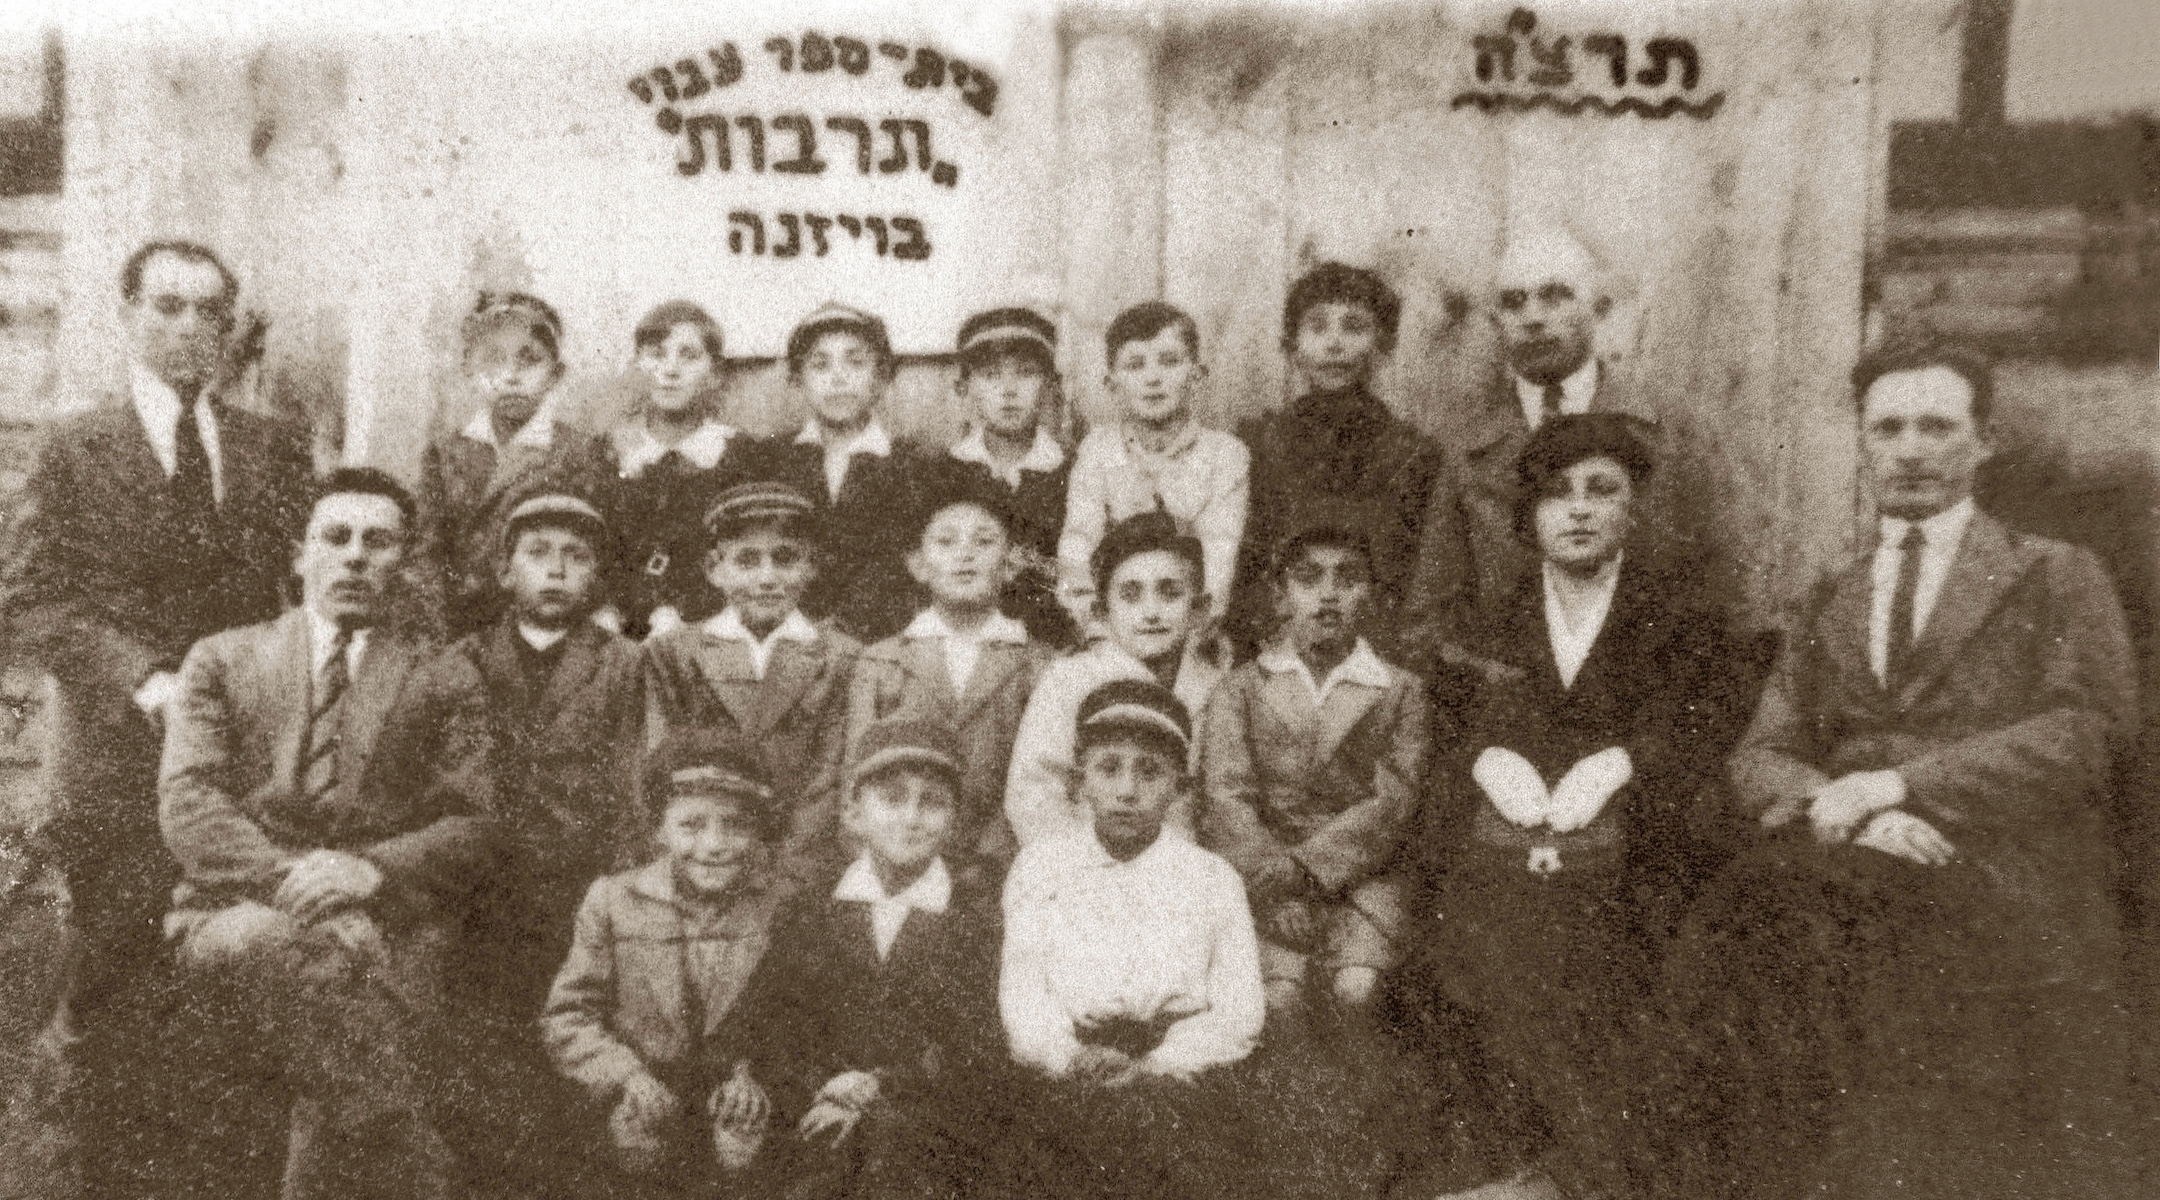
[(865, 479), (1008, 386), (960, 663), (759, 667), (564, 715), (1310, 757), (872, 1020), (1149, 599), (1155, 457), (1131, 980), (1336, 447), (639, 1013)]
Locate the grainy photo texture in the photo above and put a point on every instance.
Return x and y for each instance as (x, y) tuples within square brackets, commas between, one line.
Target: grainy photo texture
[(1080, 600)]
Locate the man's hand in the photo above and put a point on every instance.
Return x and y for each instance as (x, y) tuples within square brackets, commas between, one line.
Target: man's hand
[(1845, 804), (829, 1117), (741, 1102), (156, 692), (854, 1089), (321, 882), (1900, 833), (634, 1127), (1281, 877), (1292, 923)]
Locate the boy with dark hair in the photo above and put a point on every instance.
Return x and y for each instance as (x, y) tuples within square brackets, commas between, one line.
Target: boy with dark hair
[(1311, 758), (1336, 448), (960, 663), (1155, 458), (866, 481), (1009, 387), (760, 668), (1149, 599), (872, 1020), (1130, 985), (639, 1016)]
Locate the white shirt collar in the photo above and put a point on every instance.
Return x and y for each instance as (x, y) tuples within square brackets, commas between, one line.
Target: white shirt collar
[(929, 623), (870, 439), (1044, 455), (157, 406), (1187, 436), (322, 635), (1942, 531), (540, 639), (728, 626), (1577, 393), (1571, 642), (1361, 666), (538, 433), (931, 893), (636, 448)]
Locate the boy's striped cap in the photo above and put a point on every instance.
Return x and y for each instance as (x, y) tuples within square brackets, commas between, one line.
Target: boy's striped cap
[(889, 744), (554, 508), (1137, 702), (1001, 328), (717, 763), (765, 500)]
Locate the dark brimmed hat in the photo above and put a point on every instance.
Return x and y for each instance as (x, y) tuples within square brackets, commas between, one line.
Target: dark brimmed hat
[(1135, 705), (715, 763), (1144, 533), (951, 481), (765, 500), (1007, 331), (1570, 438), (889, 744), (564, 509), (831, 317)]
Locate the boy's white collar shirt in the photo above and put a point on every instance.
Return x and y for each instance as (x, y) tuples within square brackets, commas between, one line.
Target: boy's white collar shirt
[(1577, 393), (537, 433), (157, 406), (728, 627), (870, 439), (1187, 436), (638, 449), (964, 650), (1045, 455), (542, 640), (931, 893), (322, 635), (1940, 535), (1572, 634), (1361, 666)]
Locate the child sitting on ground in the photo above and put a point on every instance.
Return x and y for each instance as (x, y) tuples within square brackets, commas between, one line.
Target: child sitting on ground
[(640, 1013)]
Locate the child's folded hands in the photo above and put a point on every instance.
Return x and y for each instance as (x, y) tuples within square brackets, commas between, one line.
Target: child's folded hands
[(636, 1126)]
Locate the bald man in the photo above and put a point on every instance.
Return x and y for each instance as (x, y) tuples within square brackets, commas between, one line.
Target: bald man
[(1548, 298)]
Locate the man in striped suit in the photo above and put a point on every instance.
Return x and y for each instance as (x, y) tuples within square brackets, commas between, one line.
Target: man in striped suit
[(327, 796)]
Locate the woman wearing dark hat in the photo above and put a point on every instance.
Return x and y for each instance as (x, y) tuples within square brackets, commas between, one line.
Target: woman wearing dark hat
[(1579, 741)]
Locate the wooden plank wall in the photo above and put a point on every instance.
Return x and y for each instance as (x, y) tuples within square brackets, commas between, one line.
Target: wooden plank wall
[(1201, 153)]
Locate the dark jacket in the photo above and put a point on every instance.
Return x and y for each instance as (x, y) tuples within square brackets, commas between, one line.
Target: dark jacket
[(658, 535), (1346, 458), (1036, 509), (103, 585), (863, 585)]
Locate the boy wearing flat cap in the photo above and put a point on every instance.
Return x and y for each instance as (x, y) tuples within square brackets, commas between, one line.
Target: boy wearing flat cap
[(761, 669), (873, 1021), (640, 1016)]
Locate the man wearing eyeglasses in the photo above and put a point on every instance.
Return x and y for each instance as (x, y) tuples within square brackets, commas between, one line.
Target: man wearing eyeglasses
[(155, 518)]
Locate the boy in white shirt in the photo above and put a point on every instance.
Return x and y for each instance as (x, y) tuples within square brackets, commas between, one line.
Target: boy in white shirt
[(1155, 458), (1150, 600), (1131, 979)]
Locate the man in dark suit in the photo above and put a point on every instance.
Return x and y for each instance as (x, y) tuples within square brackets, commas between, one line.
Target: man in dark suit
[(326, 798), (1547, 302), (157, 517), (1944, 722)]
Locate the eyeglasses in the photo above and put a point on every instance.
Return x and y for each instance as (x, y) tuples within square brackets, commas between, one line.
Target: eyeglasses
[(214, 308)]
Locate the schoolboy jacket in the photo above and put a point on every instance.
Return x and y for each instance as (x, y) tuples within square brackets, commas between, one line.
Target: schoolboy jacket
[(1329, 783), (926, 1016), (796, 716), (621, 1004), (862, 585), (906, 676), (566, 752)]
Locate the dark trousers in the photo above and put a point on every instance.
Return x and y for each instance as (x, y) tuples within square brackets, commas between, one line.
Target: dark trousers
[(1155, 1138)]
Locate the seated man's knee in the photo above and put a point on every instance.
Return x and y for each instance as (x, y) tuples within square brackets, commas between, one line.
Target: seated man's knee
[(1356, 985), (237, 938)]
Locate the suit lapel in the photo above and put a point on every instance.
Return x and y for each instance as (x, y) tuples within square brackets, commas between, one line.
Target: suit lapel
[(1286, 695), (993, 667), (1843, 628), (383, 668), (580, 661), (1987, 563), (793, 669), (924, 658), (1346, 705), (290, 688), (726, 667)]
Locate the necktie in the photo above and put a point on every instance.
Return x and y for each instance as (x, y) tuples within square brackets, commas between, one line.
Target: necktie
[(192, 488), (326, 719), (1549, 404), (1902, 598)]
